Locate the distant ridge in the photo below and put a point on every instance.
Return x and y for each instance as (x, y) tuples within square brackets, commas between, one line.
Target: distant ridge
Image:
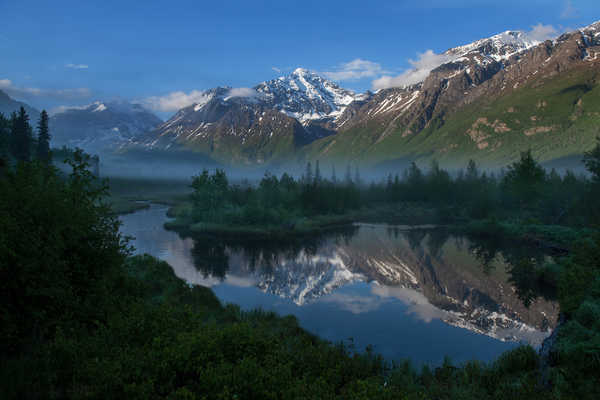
[(487, 100), (8, 105)]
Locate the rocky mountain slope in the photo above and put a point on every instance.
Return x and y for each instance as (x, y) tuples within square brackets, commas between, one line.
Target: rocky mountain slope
[(493, 98), (9, 105), (101, 126), (256, 125), (487, 100)]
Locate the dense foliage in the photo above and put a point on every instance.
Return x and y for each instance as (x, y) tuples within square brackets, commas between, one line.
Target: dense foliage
[(81, 319), (523, 192)]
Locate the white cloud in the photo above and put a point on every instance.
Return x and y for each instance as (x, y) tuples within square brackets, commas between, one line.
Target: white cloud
[(77, 66), (355, 304), (61, 109), (175, 100), (417, 303), (276, 69), (242, 92), (542, 32), (569, 11), (422, 66), (355, 69), (29, 92)]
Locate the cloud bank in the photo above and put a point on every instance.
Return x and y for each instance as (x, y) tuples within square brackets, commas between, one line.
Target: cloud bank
[(242, 92), (77, 66), (541, 33), (422, 66), (175, 101), (355, 69)]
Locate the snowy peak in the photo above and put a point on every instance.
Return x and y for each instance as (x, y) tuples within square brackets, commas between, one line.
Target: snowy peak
[(305, 95), (499, 47)]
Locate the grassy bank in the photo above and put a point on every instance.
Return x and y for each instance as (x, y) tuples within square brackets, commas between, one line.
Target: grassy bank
[(399, 214)]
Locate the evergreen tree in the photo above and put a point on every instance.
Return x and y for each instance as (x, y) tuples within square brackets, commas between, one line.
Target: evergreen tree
[(525, 179), (356, 176), (348, 177), (333, 175), (308, 175), (472, 172), (4, 137), (21, 135), (591, 159), (317, 173), (43, 142)]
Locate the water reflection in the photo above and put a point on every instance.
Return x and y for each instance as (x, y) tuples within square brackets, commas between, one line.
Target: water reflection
[(382, 284)]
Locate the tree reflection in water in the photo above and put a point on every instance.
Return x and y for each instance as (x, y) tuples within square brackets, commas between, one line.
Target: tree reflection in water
[(211, 254)]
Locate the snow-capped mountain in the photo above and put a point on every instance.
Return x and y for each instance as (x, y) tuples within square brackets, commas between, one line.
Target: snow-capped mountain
[(510, 66), (305, 116), (306, 96), (101, 126), (498, 47), (275, 116)]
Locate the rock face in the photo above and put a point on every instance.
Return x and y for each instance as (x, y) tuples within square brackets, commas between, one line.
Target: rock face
[(453, 111), (102, 126), (9, 105)]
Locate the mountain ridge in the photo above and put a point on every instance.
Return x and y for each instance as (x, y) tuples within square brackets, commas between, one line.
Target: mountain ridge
[(101, 126), (304, 117), (9, 105)]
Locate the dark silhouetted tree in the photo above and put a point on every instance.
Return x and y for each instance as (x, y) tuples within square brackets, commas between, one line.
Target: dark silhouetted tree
[(21, 135), (524, 180), (591, 159), (317, 173), (43, 141)]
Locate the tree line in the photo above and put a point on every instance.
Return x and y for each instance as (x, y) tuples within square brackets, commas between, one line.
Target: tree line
[(19, 142), (524, 190)]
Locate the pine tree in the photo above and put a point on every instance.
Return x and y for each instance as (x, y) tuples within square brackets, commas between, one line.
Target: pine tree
[(333, 175), (356, 176), (43, 142), (317, 173), (591, 160), (21, 135), (308, 176), (472, 172), (4, 137), (348, 177)]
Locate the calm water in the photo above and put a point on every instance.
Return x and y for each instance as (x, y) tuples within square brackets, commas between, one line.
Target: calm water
[(416, 293)]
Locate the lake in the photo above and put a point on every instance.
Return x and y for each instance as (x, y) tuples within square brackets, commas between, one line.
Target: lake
[(417, 293)]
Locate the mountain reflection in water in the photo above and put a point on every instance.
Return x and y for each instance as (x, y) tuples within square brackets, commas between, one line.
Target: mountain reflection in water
[(365, 271)]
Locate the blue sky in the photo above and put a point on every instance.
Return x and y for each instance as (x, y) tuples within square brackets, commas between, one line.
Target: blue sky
[(65, 53)]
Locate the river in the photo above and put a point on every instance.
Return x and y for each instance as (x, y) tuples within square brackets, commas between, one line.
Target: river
[(409, 293)]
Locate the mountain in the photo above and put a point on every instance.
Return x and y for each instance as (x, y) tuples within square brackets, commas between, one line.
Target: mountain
[(492, 99), (8, 105), (256, 125), (487, 101), (101, 126)]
